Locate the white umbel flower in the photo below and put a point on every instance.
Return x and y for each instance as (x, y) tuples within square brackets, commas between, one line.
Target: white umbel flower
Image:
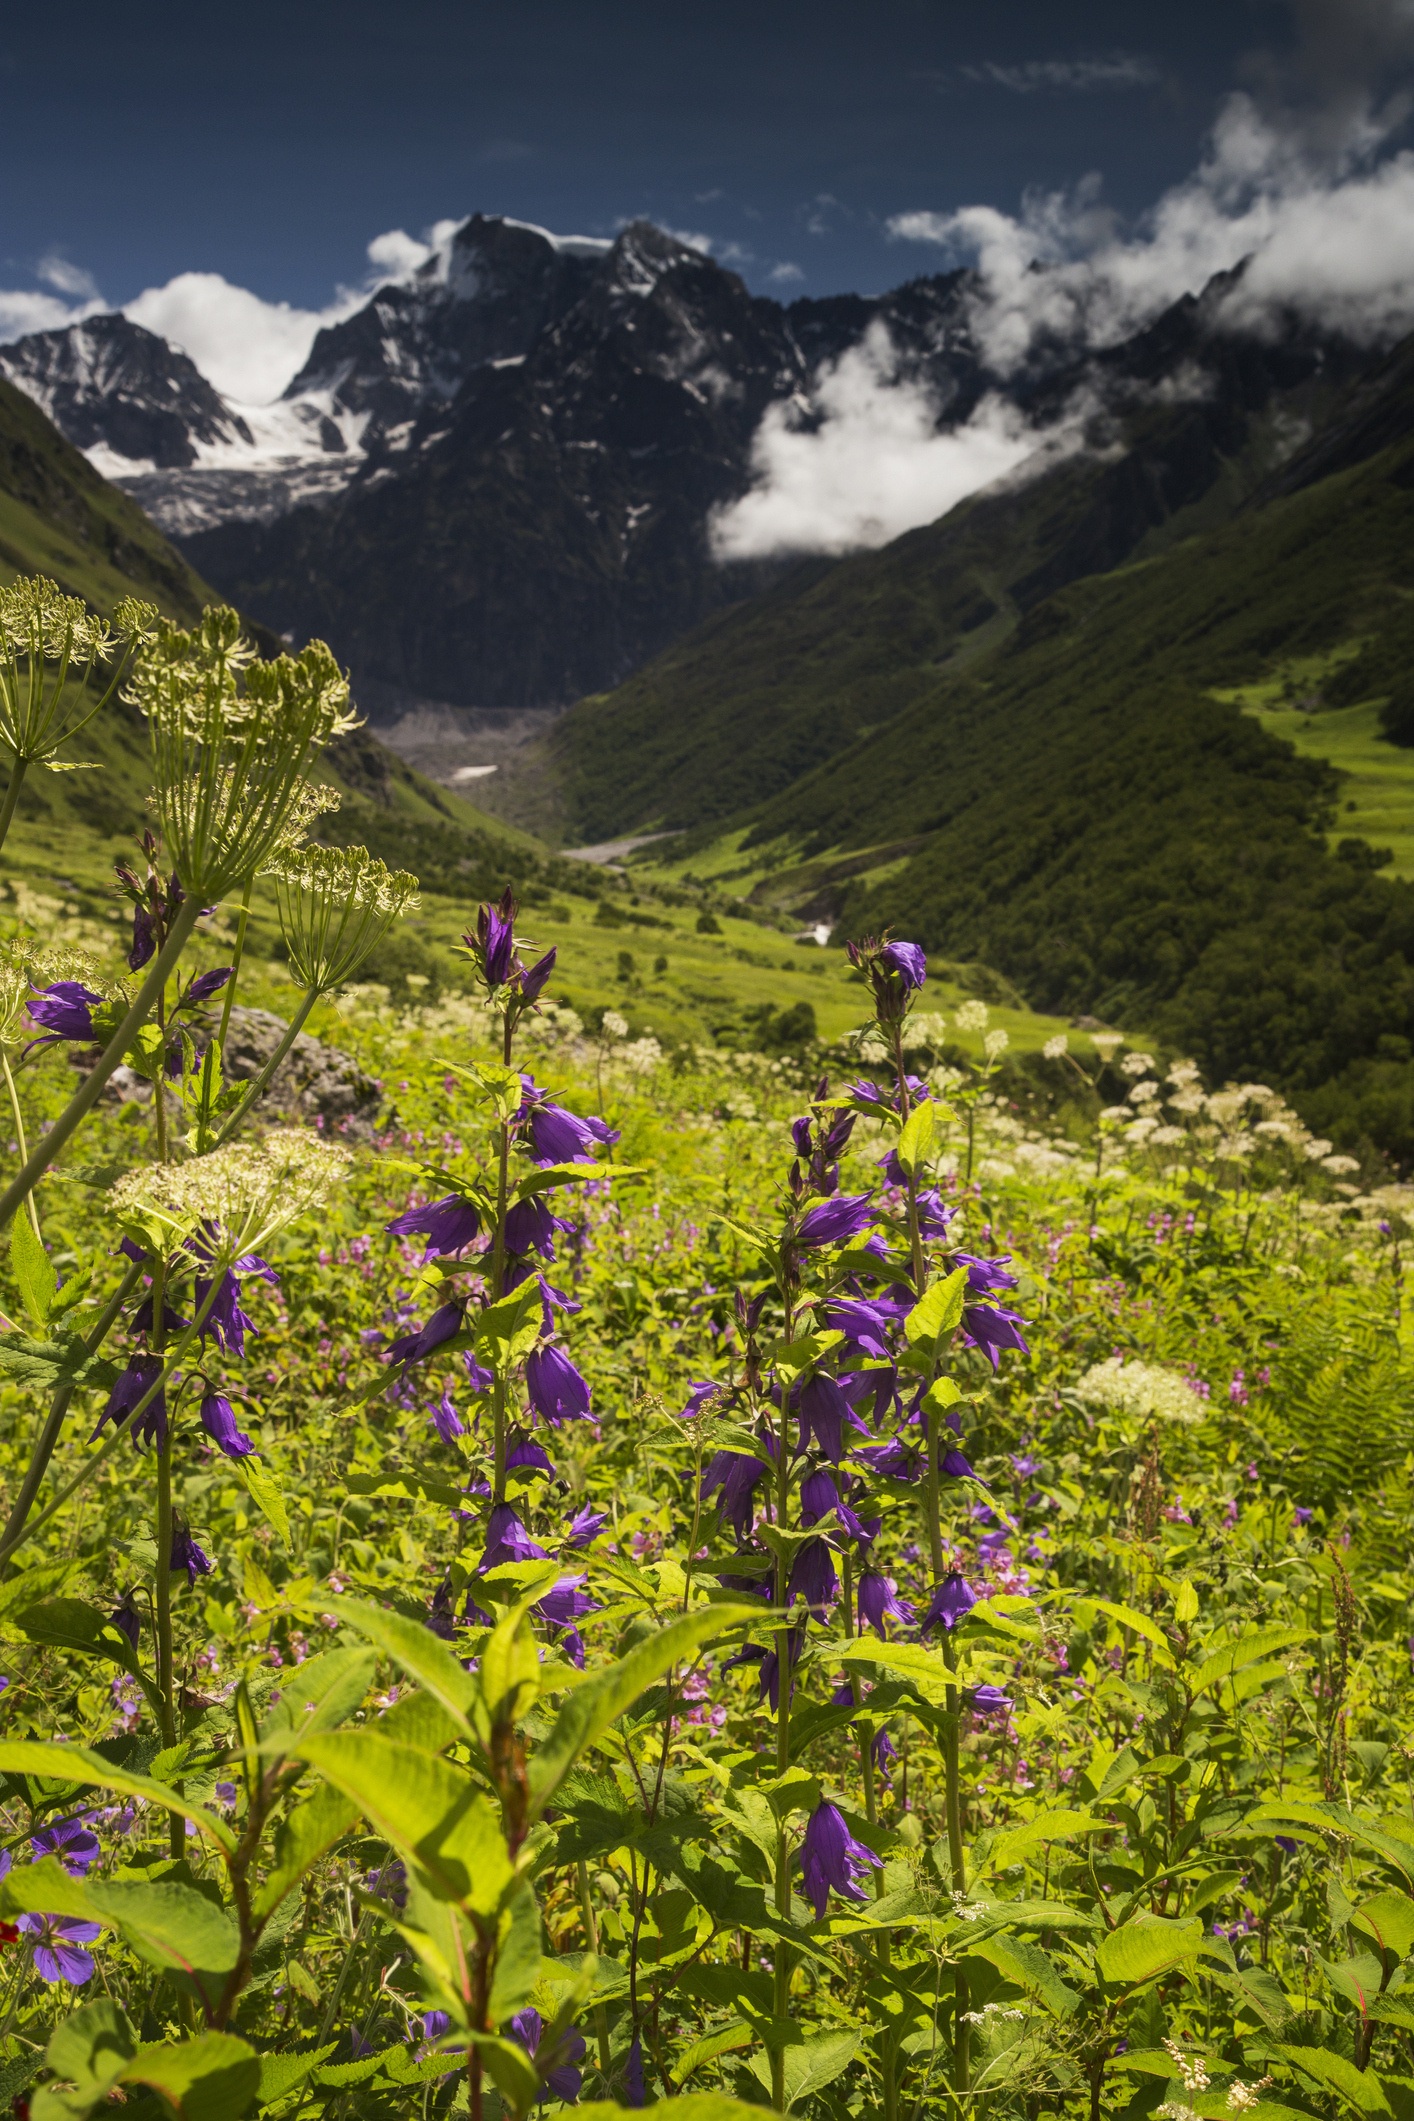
[(242, 1195)]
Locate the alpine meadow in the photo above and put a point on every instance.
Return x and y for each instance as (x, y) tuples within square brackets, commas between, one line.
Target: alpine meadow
[(707, 1064)]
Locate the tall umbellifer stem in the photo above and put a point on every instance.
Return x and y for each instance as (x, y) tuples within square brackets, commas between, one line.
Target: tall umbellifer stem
[(84, 1099), (18, 1118), (18, 769), (241, 922), (291, 1032)]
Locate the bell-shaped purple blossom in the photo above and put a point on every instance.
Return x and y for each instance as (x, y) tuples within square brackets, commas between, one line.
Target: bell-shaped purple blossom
[(417, 1346), (225, 1322), (836, 1221), (565, 1603), (700, 1395), (884, 1751), (527, 1456), (865, 1324), (879, 1601), (736, 1475), (125, 1618), (498, 947), (57, 1950), (507, 1540), (988, 1701), (557, 1391), (895, 1460), (448, 1225), (993, 1330), (825, 1414), (172, 1320), (480, 1378), (533, 977), (446, 1420), (952, 1600), (65, 1011), (530, 1227), (187, 1555), (219, 1421), (935, 1217), (832, 1860), (144, 940), (819, 1496), (585, 1526), (954, 1465), (813, 1578), (908, 962), (132, 1388), (555, 2066), (206, 986), (634, 2093), (558, 1136)]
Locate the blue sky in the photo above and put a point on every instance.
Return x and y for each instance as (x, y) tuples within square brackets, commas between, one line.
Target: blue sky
[(269, 143)]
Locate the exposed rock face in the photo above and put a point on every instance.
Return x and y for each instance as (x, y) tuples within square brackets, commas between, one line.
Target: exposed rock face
[(112, 388), (313, 1082)]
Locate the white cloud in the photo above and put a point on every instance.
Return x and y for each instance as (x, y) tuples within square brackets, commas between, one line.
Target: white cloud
[(1117, 70), (69, 279), (1327, 235), (785, 274), (863, 461), (22, 312), (248, 347)]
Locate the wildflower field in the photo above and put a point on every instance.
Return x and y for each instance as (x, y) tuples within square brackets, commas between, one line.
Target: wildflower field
[(850, 1584)]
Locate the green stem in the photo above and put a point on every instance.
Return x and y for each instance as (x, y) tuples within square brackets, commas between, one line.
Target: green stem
[(235, 962), (291, 1033), (12, 796), (58, 1408), (19, 1132), (591, 1938), (962, 2036), (84, 1099), (783, 1694)]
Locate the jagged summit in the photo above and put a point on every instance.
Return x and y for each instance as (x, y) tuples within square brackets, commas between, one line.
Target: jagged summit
[(123, 394)]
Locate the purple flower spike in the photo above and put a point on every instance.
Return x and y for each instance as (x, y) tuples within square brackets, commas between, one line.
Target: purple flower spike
[(186, 1554), (507, 1540), (448, 1225), (206, 984), (879, 1600), (416, 1347), (557, 1391), (586, 1526), (65, 1011), (908, 961), (527, 1456), (953, 1599), (532, 982), (57, 1954), (736, 1475), (831, 1859), (836, 1221), (219, 1421)]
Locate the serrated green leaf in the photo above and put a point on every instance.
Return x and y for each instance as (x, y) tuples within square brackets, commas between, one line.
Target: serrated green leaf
[(938, 1312), (33, 1270)]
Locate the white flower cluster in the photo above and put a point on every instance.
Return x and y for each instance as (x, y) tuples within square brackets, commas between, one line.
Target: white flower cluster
[(247, 1192), (612, 1025), (1141, 1390), (973, 1016), (1056, 1048), (926, 1027)]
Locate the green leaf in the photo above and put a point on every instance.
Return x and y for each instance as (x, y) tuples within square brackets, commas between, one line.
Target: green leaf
[(266, 1496), (926, 1669), (1358, 2088), (508, 1330), (1140, 1951), (33, 1270), (1031, 1969), (280, 2074), (591, 1708), (1011, 1846), (938, 1312), (89, 2050), (1389, 1919), (792, 1358), (304, 1835), (517, 1957), (420, 1654), (331, 1686), (809, 2066), (915, 1142), (212, 2078), (169, 1925), (1140, 1623), (430, 1810), (75, 1764), (73, 1624), (1248, 1649), (751, 1234), (501, 1085), (410, 1487), (693, 2106)]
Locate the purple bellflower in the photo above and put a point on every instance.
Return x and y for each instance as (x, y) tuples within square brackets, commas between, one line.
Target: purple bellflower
[(65, 1011), (507, 1540), (586, 1526), (824, 1414), (736, 1475), (527, 1456), (864, 1324), (557, 1391), (58, 1953), (836, 1221), (952, 1600), (558, 1136), (988, 1701), (446, 1420), (448, 1225), (556, 2067), (700, 1394), (530, 1227), (416, 1347), (908, 962), (813, 1578), (131, 1389), (533, 977), (144, 940), (832, 1860), (635, 2092), (125, 1618), (186, 1554), (498, 946), (219, 1421), (879, 1600), (819, 1496)]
